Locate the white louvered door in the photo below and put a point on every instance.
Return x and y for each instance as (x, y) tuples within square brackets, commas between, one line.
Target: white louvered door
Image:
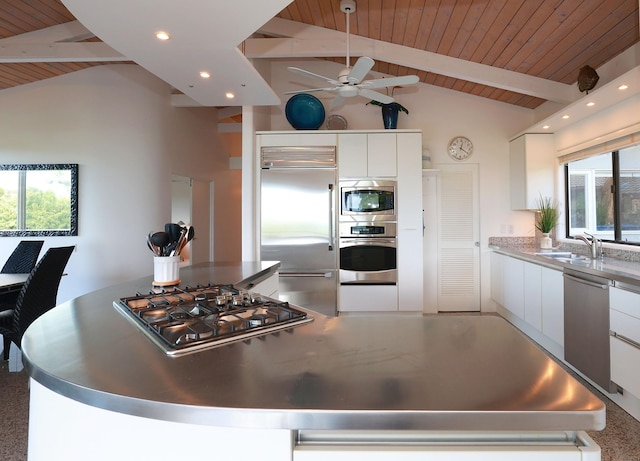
[(459, 233)]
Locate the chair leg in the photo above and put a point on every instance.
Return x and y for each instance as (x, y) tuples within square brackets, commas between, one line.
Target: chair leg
[(7, 347)]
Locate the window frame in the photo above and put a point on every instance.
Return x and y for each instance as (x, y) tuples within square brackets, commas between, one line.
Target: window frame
[(73, 196), (589, 191)]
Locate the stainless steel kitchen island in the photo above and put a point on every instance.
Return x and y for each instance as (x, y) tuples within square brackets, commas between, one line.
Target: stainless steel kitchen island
[(290, 393)]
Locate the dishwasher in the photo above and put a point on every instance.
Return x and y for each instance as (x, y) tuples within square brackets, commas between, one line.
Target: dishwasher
[(586, 326)]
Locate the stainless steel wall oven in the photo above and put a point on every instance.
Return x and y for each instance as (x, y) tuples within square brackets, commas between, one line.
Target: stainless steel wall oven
[(368, 253)]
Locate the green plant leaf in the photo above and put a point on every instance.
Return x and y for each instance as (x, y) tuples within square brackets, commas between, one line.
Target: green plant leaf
[(400, 106), (547, 214)]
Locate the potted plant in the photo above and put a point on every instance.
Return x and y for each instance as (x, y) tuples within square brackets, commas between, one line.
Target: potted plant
[(390, 110), (546, 219)]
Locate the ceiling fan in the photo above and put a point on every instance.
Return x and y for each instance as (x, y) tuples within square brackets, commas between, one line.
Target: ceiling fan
[(350, 79)]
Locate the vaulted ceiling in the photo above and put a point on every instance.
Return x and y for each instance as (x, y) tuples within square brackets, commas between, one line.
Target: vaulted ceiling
[(521, 52)]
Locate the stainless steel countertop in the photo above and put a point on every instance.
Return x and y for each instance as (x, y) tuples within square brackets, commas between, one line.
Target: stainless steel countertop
[(611, 268), (368, 373)]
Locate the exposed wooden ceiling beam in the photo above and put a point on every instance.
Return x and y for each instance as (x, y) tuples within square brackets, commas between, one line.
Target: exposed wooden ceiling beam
[(312, 41), (59, 43)]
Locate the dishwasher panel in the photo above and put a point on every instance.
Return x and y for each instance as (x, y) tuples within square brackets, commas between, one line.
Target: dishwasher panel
[(586, 326)]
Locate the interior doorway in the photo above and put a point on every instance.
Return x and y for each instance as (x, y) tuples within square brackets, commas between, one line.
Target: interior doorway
[(458, 238), (181, 208)]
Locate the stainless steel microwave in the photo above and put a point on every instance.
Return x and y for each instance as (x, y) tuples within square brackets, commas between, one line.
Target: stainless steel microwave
[(368, 199)]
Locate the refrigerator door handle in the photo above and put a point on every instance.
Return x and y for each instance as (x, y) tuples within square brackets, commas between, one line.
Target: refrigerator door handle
[(332, 233), (306, 274)]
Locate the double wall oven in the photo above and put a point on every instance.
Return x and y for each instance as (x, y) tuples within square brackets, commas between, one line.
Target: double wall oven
[(367, 233)]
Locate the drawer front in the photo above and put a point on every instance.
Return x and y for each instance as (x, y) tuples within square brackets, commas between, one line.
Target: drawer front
[(625, 301), (625, 325), (624, 366)]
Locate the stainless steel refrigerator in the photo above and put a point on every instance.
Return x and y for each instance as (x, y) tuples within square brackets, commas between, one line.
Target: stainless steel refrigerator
[(297, 223)]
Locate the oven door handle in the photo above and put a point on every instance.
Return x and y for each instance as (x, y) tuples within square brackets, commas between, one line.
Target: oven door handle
[(375, 241), (326, 275)]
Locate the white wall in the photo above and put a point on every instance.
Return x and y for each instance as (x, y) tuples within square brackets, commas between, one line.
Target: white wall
[(117, 123), (441, 114)]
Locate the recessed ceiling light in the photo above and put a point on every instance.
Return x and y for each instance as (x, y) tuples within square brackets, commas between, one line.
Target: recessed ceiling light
[(546, 127), (591, 104), (161, 35), (624, 86), (229, 95), (565, 116), (205, 74)]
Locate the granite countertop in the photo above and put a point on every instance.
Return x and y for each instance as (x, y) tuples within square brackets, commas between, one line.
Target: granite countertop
[(366, 373), (615, 269)]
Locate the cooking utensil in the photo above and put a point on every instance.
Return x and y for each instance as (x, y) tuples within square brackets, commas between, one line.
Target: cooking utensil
[(154, 248), (161, 240), (180, 243), (187, 238), (173, 230)]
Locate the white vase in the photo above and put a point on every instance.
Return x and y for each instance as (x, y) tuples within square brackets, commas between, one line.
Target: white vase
[(546, 242)]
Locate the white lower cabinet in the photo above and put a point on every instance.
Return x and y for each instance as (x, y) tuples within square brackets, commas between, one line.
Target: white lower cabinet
[(625, 340), (368, 298), (497, 277), (514, 286), (533, 295), (552, 300)]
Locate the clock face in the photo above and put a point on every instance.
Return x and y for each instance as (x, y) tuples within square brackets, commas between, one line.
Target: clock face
[(460, 148)]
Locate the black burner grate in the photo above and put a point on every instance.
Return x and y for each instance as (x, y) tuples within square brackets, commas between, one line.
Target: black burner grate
[(195, 318)]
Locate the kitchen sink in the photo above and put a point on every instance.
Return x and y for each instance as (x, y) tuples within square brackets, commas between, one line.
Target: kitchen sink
[(575, 259), (567, 257), (556, 254)]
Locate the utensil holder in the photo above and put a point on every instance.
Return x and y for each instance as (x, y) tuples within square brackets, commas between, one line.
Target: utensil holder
[(166, 270)]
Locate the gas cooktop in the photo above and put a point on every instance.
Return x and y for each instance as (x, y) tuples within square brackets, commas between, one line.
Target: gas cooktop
[(183, 321)]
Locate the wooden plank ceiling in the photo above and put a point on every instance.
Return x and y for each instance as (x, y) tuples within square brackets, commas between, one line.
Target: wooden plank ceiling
[(22, 16), (551, 39)]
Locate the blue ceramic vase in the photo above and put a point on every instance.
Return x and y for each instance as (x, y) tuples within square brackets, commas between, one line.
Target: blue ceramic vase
[(390, 115)]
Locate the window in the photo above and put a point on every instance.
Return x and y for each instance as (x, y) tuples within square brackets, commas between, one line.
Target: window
[(603, 196), (39, 200)]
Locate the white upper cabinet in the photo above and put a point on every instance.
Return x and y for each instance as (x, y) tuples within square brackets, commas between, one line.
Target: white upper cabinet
[(367, 155), (532, 167)]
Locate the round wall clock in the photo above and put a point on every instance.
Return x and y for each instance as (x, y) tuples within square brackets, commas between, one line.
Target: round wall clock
[(460, 148)]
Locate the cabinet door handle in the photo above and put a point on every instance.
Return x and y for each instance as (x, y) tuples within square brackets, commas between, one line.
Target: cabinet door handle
[(626, 340)]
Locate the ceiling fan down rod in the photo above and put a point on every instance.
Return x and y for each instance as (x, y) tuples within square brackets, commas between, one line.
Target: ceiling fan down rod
[(348, 7)]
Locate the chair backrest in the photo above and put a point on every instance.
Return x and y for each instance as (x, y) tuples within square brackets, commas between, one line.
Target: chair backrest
[(40, 291), (24, 257)]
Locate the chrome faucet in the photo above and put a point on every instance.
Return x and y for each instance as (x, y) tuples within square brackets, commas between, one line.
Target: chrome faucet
[(595, 245)]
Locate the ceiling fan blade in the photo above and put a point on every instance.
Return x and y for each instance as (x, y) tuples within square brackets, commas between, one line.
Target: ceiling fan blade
[(360, 70), (306, 73), (391, 81), (337, 101), (310, 90), (383, 98)]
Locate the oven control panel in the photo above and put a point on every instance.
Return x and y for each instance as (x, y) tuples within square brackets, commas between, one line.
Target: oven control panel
[(367, 229)]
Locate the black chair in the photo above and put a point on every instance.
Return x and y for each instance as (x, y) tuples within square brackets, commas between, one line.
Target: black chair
[(24, 257), (38, 295)]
